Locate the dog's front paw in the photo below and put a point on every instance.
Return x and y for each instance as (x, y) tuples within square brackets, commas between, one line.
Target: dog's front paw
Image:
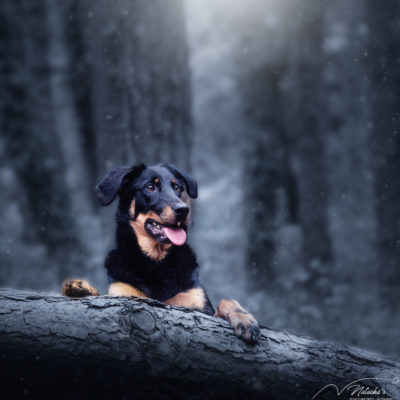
[(243, 323), (78, 288), (246, 329)]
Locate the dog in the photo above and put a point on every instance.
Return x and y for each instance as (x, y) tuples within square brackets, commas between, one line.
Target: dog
[(152, 258)]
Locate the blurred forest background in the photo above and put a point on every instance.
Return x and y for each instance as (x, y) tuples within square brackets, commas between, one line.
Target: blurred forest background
[(286, 111)]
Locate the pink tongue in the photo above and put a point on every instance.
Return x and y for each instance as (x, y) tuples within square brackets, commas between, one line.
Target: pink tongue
[(176, 236)]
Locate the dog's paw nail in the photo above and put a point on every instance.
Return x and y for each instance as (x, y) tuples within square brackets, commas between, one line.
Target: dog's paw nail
[(255, 334), (249, 332)]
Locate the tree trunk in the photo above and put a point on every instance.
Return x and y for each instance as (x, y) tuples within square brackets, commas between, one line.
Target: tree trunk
[(267, 170), (141, 93), (136, 348), (306, 137), (28, 129), (270, 198), (140, 89), (384, 78), (67, 129)]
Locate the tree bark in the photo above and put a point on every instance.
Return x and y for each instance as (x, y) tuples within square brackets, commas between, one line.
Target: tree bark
[(138, 348)]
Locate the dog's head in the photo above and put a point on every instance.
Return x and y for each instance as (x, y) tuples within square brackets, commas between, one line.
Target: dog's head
[(155, 198)]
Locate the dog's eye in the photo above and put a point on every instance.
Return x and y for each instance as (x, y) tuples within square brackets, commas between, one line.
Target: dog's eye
[(176, 187), (150, 187)]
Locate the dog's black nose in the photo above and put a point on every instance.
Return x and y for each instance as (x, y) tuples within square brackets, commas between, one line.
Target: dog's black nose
[(181, 211)]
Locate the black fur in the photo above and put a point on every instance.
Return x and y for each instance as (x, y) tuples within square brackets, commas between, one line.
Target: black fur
[(191, 184), (179, 270), (111, 185)]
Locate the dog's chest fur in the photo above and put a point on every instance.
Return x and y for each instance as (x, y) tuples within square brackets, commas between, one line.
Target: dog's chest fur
[(177, 272)]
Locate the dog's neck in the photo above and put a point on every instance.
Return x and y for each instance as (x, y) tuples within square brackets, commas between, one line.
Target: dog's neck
[(176, 272)]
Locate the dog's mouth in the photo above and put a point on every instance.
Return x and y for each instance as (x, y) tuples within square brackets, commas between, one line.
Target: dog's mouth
[(167, 233)]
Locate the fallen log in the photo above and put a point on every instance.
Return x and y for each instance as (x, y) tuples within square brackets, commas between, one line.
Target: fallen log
[(125, 348)]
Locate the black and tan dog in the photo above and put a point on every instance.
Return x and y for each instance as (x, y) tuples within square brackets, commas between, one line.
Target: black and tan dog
[(152, 258)]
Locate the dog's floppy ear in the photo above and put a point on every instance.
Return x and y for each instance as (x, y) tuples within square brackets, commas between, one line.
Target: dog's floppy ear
[(110, 186), (191, 184)]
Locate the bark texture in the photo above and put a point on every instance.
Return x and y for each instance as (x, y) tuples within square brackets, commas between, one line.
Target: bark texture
[(107, 347)]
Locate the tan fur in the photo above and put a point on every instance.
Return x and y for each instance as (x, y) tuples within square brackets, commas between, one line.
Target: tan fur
[(78, 288), (193, 298), (241, 321), (229, 308), (155, 250), (167, 215), (123, 289), (132, 209)]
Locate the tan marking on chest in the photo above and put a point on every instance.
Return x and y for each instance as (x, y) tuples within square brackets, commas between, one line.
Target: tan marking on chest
[(193, 298), (124, 289)]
